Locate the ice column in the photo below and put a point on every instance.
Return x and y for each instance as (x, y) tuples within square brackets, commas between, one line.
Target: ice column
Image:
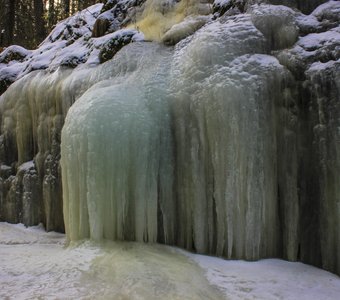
[(116, 157)]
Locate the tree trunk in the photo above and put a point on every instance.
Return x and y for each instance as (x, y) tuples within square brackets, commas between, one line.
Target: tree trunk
[(74, 7), (51, 14), (10, 22), (66, 8), (80, 5), (40, 30)]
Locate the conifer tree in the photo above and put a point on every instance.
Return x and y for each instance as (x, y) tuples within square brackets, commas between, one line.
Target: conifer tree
[(27, 22)]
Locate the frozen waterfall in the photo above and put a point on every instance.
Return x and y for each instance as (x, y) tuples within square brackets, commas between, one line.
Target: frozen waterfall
[(116, 151), (180, 146), (222, 137)]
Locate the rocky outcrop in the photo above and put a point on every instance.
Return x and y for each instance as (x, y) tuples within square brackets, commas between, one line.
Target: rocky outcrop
[(221, 7), (117, 41), (8, 60), (78, 40), (115, 15)]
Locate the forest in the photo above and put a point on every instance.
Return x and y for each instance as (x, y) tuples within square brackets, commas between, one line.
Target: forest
[(27, 22)]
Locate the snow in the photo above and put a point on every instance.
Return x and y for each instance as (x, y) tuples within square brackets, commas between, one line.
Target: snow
[(277, 23), (100, 41), (222, 2), (11, 71), (27, 165), (18, 234), (319, 66), (66, 43), (185, 28), (269, 279), (35, 264), (330, 7), (313, 48), (14, 49), (69, 44), (308, 22), (315, 41)]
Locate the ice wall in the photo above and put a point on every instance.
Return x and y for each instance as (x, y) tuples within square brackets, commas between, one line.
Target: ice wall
[(324, 86), (186, 154), (204, 147), (117, 152), (32, 118), (224, 125), (33, 110)]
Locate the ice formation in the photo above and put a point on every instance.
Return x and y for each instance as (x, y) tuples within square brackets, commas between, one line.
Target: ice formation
[(132, 139), (159, 16), (226, 143), (207, 158), (215, 191)]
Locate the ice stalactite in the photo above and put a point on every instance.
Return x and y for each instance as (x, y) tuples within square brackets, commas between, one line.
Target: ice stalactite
[(116, 154), (324, 86), (32, 116), (225, 120), (195, 165), (206, 150)]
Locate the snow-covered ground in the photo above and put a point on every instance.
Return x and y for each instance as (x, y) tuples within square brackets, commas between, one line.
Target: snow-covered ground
[(36, 265)]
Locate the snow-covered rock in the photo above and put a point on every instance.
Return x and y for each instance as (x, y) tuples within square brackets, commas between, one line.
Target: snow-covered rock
[(183, 29), (229, 6), (72, 42), (328, 14), (277, 23), (11, 65), (314, 47), (113, 42), (13, 53)]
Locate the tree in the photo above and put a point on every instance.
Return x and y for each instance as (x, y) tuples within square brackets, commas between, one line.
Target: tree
[(51, 15), (26, 22), (40, 29), (65, 4), (7, 22), (24, 29)]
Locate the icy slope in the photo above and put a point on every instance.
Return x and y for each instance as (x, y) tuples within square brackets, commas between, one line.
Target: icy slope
[(34, 264)]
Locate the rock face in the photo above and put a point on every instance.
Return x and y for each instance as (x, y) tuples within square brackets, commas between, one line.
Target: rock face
[(30, 152), (231, 6), (12, 54), (227, 143)]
